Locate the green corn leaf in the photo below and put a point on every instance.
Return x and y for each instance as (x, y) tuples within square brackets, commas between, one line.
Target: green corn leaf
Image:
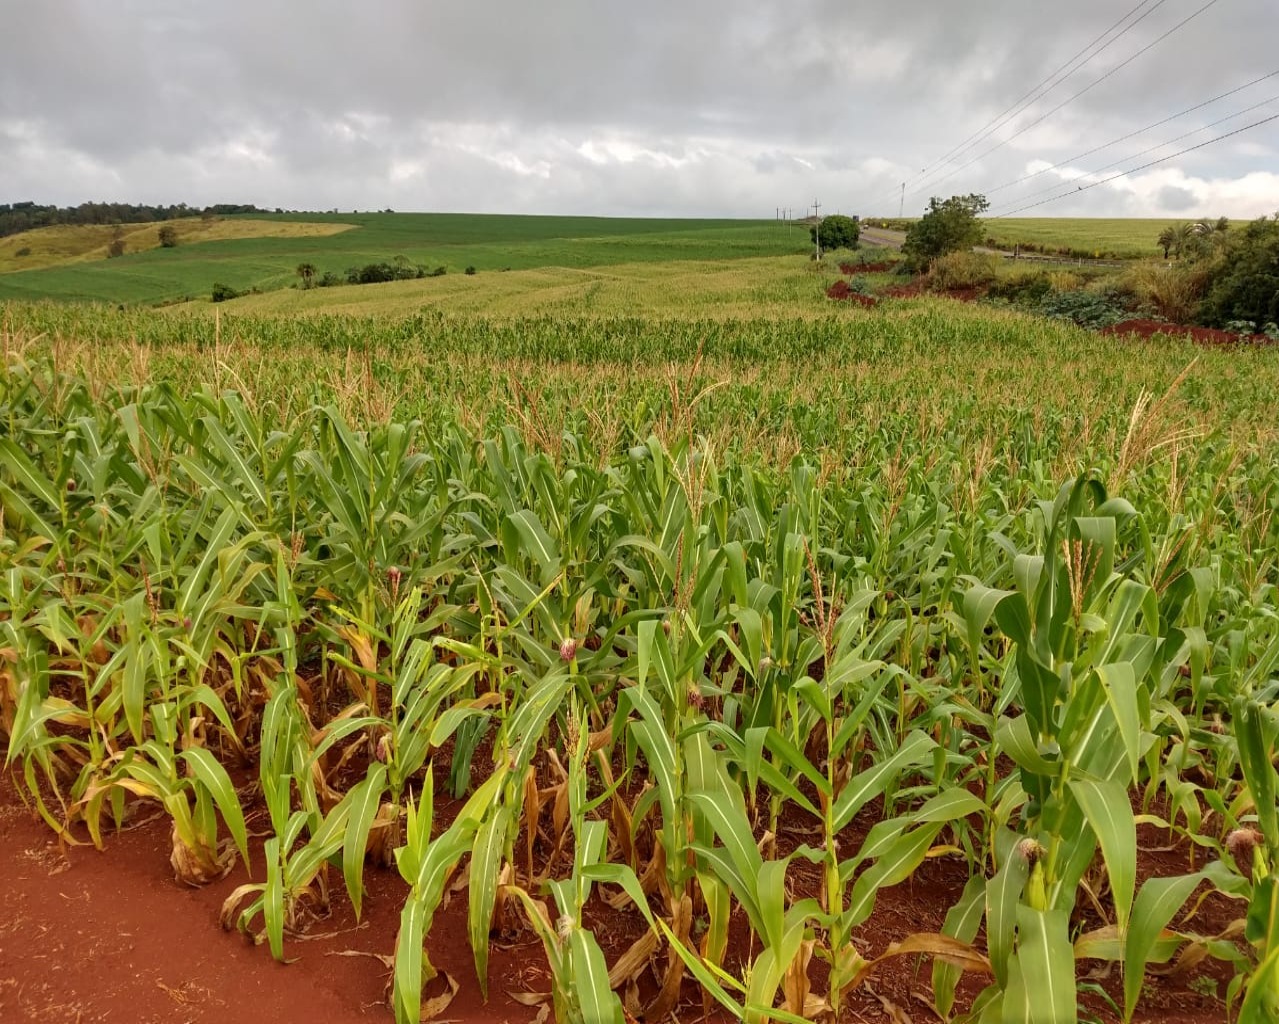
[(1157, 903), (895, 864), (407, 990), (486, 863), (1120, 683), (1003, 896), (365, 798), (1041, 979), (1255, 736), (524, 531), (595, 999), (962, 922), (1105, 805), (215, 779), (916, 748), (950, 805), (27, 474), (273, 898)]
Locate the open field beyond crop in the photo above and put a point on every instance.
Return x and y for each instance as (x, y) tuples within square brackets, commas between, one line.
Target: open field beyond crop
[(1108, 237), (268, 259), (63, 245), (1116, 236)]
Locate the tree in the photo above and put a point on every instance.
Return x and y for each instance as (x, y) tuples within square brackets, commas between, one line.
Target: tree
[(116, 248), (950, 225), (1246, 283), (1167, 239), (837, 232), (1205, 238), (168, 235), (307, 272)]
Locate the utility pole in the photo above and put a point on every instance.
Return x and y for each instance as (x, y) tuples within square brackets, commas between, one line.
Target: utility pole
[(901, 210), (817, 229)]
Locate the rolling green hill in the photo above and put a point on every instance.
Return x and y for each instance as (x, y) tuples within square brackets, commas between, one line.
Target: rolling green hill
[(454, 241)]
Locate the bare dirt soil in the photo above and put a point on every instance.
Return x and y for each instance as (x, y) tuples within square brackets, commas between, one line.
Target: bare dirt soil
[(842, 292), (88, 936), (1203, 335)]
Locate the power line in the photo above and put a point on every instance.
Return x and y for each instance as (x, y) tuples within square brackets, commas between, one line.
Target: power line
[(1037, 90), (1149, 149), (1023, 106), (1066, 102), (1143, 167), (1141, 131)]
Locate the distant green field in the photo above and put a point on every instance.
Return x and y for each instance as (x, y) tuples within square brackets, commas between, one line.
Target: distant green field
[(1103, 237), (1122, 238), (454, 241)]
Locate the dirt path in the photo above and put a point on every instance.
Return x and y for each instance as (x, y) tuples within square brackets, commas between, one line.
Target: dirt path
[(882, 237)]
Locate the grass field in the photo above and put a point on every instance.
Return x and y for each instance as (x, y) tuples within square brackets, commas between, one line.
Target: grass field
[(680, 622), (66, 244), (1113, 237), (454, 241), (780, 287)]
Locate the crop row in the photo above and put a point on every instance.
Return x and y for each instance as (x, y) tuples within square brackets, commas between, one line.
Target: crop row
[(665, 650)]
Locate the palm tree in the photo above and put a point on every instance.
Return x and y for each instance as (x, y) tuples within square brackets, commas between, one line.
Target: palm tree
[(306, 271), (1176, 238)]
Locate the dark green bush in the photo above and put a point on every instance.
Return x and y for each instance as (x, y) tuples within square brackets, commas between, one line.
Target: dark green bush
[(1087, 309), (1026, 289)]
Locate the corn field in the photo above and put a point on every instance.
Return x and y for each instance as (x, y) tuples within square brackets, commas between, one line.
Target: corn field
[(678, 614)]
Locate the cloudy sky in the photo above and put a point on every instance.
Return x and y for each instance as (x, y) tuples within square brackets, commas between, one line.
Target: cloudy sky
[(691, 108)]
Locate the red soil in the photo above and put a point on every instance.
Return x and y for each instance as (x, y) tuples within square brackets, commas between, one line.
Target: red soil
[(840, 290), (103, 937), (1203, 335), (850, 269), (919, 287)]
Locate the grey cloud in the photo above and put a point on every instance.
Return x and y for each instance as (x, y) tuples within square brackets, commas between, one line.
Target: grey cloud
[(1176, 199), (692, 108)]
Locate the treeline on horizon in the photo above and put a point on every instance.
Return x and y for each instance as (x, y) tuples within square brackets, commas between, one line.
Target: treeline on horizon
[(18, 217)]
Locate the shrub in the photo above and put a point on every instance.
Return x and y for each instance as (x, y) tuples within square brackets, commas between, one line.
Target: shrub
[(24, 251), (1065, 280), (329, 280), (1087, 309), (963, 270), (470, 271), (379, 273), (438, 272), (836, 232), (1170, 292), (1244, 281), (948, 226), (168, 236), (222, 292), (1026, 287)]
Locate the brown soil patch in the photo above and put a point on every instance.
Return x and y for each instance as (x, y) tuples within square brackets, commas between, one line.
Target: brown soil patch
[(918, 287), (106, 937), (882, 267), (842, 292), (1203, 335)]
